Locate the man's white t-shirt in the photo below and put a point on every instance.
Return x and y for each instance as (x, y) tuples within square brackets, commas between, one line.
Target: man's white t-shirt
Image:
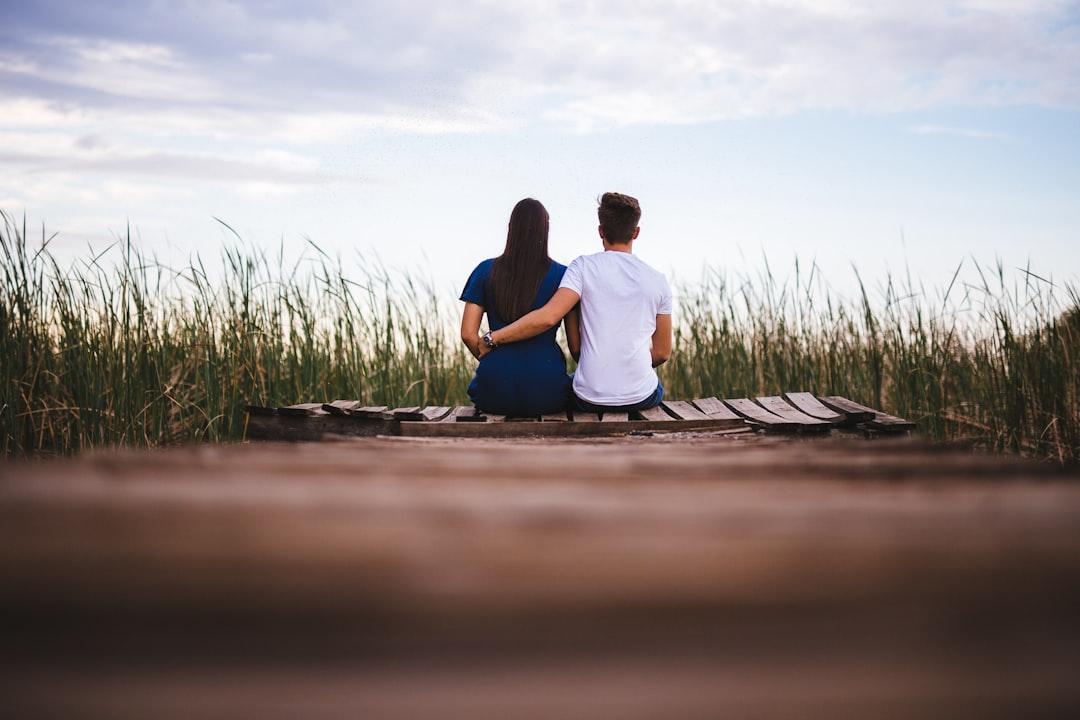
[(620, 299)]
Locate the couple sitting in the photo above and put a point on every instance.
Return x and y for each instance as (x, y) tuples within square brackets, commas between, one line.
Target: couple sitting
[(616, 310)]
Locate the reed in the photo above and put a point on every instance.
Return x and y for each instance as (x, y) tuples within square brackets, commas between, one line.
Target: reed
[(991, 361), (119, 349)]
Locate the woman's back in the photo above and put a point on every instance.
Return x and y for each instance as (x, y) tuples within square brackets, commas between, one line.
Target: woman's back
[(520, 379)]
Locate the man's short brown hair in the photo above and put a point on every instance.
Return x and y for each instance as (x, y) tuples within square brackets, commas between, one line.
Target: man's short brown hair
[(619, 215)]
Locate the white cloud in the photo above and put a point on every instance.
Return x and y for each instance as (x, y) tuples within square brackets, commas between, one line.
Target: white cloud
[(699, 62), (268, 167), (328, 127), (138, 71), (428, 67), (103, 53), (246, 95)]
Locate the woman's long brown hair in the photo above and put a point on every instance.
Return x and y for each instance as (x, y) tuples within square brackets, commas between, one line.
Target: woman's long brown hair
[(517, 273)]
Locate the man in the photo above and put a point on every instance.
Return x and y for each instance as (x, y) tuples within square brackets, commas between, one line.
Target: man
[(625, 317)]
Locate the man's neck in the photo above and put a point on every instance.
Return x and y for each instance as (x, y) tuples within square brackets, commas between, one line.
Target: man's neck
[(619, 247)]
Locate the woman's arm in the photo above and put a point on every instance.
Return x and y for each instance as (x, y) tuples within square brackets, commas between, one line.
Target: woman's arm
[(470, 327), (572, 325)]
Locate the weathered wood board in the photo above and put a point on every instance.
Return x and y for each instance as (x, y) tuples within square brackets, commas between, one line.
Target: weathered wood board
[(457, 413), (435, 414), (408, 413), (780, 407), (878, 421), (745, 576), (341, 407), (654, 414), (303, 410), (813, 407), (580, 416), (757, 414), (684, 410), (715, 409), (804, 413), (577, 429), (373, 412), (310, 427), (610, 417)]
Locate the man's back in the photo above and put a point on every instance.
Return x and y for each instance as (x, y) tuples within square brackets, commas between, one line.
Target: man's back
[(620, 299)]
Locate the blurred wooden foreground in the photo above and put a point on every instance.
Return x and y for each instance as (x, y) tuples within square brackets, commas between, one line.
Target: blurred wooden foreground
[(641, 577)]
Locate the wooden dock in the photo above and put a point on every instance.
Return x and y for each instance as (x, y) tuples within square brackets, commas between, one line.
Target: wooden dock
[(681, 575), (796, 412)]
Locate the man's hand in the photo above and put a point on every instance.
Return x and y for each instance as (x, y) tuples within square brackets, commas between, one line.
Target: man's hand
[(483, 350)]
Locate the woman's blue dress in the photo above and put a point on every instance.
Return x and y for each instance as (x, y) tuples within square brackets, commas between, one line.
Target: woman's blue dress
[(520, 379)]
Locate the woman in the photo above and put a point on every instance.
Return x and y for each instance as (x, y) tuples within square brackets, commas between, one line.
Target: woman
[(527, 378)]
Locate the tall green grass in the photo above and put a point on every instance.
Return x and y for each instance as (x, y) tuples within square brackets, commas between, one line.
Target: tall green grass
[(118, 349), (989, 360)]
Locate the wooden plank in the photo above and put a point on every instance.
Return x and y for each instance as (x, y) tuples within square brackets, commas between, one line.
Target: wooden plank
[(689, 410), (556, 417), (684, 410), (755, 413), (407, 413), (610, 417), (813, 407), (880, 421), (654, 414), (759, 580), (480, 417), (434, 414), (890, 423), (341, 407), (854, 412), (372, 412), (260, 410), (580, 416), (511, 429), (455, 414), (715, 409), (303, 410), (778, 406), (295, 428)]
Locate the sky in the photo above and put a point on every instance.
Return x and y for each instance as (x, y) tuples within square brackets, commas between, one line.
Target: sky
[(896, 138)]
